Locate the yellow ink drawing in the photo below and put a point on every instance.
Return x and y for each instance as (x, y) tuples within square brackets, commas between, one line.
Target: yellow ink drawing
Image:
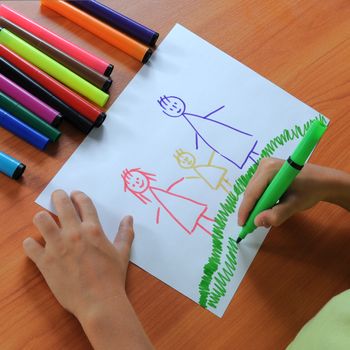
[(214, 176)]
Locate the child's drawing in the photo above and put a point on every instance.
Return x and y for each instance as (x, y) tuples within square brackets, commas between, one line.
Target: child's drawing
[(186, 212), (218, 136), (214, 176)]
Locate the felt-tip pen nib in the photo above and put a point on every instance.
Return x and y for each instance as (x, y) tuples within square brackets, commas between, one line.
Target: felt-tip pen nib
[(238, 240)]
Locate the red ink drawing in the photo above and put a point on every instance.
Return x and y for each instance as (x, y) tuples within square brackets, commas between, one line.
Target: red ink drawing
[(186, 212)]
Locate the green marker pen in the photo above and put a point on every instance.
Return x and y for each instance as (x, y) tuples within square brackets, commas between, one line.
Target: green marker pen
[(53, 68), (285, 176)]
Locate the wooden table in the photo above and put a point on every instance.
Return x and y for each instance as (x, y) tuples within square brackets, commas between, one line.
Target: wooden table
[(304, 47)]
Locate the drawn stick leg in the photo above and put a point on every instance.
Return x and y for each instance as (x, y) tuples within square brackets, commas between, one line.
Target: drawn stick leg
[(204, 229), (228, 184)]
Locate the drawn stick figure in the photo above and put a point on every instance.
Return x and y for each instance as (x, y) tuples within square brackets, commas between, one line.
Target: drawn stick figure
[(214, 176), (220, 137), (186, 212)]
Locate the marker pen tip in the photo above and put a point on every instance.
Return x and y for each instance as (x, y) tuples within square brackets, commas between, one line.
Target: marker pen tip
[(238, 240)]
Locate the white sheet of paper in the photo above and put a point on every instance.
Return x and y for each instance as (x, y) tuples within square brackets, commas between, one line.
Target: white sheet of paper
[(145, 130)]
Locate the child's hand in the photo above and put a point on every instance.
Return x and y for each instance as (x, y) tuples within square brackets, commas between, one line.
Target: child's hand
[(313, 184), (82, 268), (86, 272)]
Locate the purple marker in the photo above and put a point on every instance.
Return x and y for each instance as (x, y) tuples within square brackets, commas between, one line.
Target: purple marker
[(29, 101), (118, 21)]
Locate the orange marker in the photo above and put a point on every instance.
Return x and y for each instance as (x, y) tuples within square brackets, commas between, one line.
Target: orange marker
[(100, 29)]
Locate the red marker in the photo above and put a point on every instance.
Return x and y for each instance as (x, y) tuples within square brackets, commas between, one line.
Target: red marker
[(55, 40), (59, 90)]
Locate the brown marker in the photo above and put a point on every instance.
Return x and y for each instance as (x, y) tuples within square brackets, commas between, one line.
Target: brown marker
[(95, 78)]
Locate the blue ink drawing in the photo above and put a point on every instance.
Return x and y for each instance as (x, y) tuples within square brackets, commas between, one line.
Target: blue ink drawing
[(220, 137)]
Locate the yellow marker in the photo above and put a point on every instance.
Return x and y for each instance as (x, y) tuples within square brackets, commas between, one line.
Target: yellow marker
[(53, 68)]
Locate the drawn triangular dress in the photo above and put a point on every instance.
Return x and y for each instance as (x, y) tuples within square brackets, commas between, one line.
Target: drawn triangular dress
[(183, 210), (221, 137)]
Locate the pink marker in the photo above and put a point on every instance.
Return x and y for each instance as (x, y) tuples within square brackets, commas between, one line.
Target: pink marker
[(29, 101), (66, 46)]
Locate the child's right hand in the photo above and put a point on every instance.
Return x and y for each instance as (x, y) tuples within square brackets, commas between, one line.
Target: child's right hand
[(313, 184)]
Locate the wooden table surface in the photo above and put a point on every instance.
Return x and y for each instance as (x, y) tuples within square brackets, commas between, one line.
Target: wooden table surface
[(301, 45)]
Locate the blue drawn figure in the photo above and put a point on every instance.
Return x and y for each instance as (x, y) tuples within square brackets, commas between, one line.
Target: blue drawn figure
[(218, 136)]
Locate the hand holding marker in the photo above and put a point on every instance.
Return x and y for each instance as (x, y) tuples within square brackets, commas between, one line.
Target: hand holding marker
[(284, 178)]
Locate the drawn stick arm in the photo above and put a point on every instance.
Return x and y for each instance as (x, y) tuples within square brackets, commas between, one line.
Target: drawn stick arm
[(175, 183), (192, 177), (211, 113), (211, 158)]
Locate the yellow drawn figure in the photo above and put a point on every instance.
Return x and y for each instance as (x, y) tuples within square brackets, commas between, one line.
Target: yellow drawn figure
[(214, 176)]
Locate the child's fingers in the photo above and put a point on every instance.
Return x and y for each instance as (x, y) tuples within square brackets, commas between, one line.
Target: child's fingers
[(85, 207), (65, 209), (277, 215), (253, 192), (33, 250), (265, 172), (125, 236), (46, 226)]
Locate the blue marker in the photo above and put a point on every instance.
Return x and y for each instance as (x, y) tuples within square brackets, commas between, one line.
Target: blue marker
[(22, 130), (11, 166)]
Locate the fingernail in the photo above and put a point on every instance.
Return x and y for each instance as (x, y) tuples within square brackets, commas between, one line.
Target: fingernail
[(129, 219), (26, 241), (259, 222), (76, 191), (266, 224)]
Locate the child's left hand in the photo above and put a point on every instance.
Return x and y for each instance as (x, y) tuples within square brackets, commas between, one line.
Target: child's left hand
[(77, 256)]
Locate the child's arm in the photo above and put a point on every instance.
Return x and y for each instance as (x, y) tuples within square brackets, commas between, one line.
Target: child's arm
[(313, 184), (87, 273)]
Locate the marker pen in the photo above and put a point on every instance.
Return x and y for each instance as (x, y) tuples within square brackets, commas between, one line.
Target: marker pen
[(105, 32), (285, 176), (53, 68), (66, 46), (95, 78), (26, 116), (11, 166), (75, 101), (22, 130), (29, 101), (118, 21), (37, 90)]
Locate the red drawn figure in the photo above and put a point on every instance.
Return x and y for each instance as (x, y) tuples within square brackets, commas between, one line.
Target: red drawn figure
[(186, 212)]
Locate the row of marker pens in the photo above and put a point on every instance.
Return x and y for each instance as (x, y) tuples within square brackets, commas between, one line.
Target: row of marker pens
[(44, 78)]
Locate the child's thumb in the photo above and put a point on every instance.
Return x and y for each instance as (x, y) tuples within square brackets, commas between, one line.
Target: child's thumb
[(125, 236), (275, 216)]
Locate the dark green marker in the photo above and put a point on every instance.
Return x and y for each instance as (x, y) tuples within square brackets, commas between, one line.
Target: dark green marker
[(26, 116), (285, 176)]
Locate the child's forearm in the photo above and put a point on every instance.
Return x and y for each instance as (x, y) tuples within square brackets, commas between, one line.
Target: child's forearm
[(114, 325), (338, 188)]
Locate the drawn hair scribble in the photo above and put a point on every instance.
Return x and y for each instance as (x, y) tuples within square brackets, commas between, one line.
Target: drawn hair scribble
[(131, 182)]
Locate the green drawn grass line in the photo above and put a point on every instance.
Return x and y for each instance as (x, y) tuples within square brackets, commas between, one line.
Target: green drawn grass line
[(210, 296)]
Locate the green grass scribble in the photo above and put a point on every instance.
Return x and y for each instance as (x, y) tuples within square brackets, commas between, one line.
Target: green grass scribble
[(211, 295)]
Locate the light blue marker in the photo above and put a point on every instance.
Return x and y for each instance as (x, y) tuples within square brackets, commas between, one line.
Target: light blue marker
[(11, 166)]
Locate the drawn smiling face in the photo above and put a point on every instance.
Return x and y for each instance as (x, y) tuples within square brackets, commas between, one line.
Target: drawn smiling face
[(138, 182), (186, 160), (172, 106)]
